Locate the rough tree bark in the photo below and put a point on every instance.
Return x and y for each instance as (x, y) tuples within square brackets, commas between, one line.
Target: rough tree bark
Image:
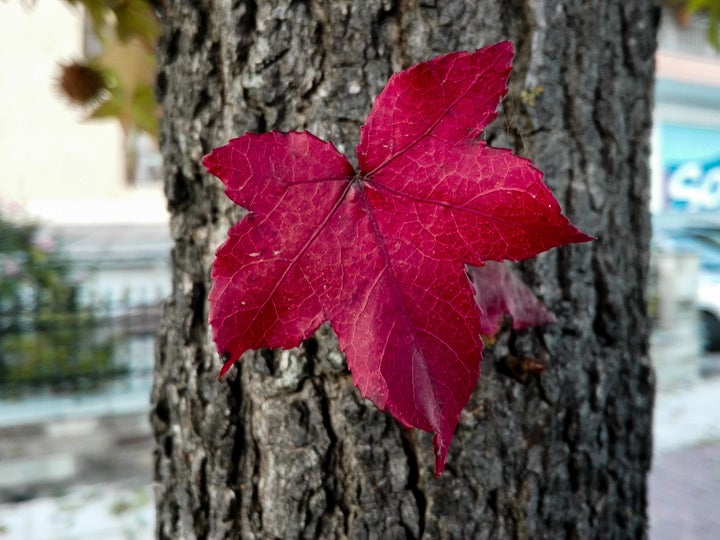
[(284, 447)]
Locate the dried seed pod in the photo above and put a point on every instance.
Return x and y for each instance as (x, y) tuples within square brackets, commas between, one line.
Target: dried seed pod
[(518, 367), (82, 84)]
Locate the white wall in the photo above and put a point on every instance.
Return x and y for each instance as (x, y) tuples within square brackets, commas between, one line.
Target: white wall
[(53, 163)]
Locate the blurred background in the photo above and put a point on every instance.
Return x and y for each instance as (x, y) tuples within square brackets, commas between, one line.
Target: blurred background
[(84, 266)]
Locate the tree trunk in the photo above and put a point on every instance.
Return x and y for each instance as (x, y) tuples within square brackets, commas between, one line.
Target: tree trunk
[(284, 447)]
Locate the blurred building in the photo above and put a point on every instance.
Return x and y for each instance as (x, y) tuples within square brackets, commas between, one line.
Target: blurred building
[(685, 202), (73, 177), (686, 132), (71, 174)]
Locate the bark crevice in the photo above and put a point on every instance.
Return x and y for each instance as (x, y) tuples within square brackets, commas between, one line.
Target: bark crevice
[(414, 484)]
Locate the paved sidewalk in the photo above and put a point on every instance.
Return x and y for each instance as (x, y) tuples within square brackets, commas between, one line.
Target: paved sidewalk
[(103, 511), (684, 502), (685, 494), (687, 416)]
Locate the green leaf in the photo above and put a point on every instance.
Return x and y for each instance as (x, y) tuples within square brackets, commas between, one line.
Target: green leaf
[(144, 109), (712, 33), (135, 18), (110, 107)]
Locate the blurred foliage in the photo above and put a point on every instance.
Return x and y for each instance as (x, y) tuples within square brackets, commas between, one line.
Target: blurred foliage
[(47, 339), (685, 9), (127, 31), (59, 362), (129, 19)]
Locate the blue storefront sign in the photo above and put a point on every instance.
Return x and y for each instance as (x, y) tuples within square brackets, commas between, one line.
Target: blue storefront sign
[(691, 167)]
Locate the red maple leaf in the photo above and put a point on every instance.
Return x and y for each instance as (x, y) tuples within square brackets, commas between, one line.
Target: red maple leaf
[(499, 292), (381, 253)]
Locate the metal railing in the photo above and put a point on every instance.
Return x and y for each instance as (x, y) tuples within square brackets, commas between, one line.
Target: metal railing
[(65, 348)]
